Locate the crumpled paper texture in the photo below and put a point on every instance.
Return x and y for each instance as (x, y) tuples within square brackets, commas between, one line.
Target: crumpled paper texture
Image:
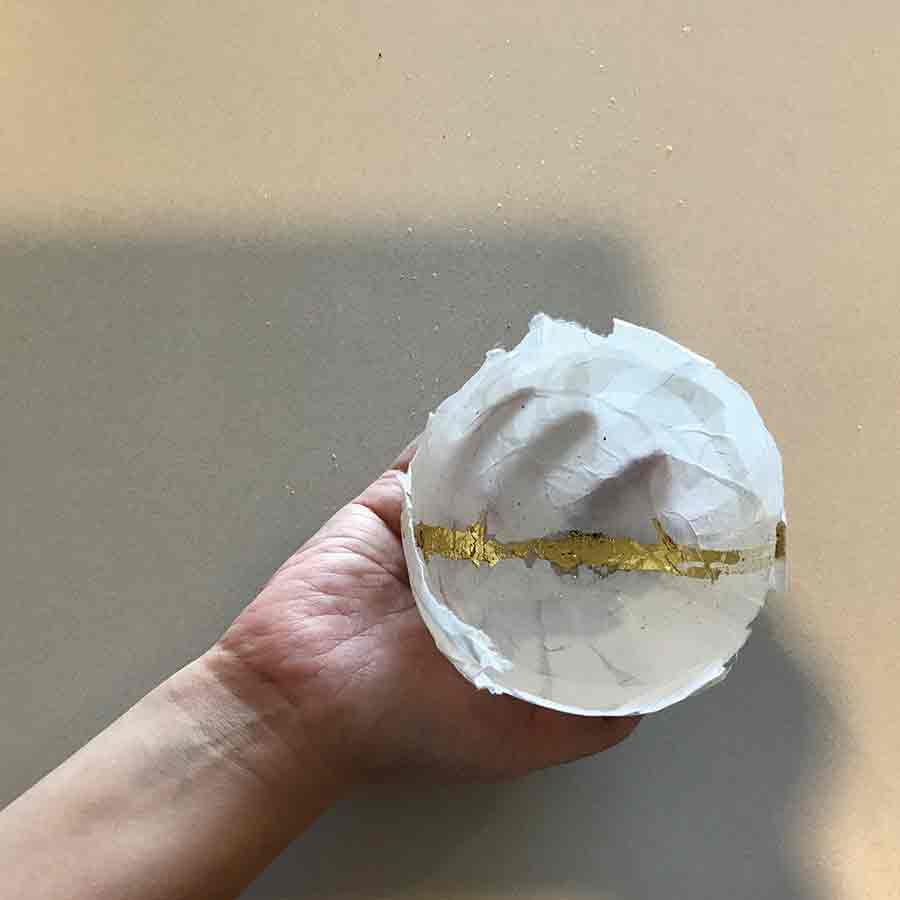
[(619, 434)]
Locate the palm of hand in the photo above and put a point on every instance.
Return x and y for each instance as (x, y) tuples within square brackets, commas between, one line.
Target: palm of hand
[(338, 631)]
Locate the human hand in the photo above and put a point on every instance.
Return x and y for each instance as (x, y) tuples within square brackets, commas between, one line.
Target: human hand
[(336, 631), (329, 678)]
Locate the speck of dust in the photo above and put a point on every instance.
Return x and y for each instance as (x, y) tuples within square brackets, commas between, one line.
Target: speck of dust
[(686, 29)]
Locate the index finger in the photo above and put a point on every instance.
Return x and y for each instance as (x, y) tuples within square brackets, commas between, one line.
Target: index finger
[(401, 463)]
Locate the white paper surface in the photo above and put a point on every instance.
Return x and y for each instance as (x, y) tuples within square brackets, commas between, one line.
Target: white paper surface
[(572, 430)]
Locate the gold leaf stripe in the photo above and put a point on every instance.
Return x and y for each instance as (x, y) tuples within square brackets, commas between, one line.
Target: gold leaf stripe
[(598, 551)]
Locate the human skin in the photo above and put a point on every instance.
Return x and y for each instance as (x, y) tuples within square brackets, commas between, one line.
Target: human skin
[(326, 681)]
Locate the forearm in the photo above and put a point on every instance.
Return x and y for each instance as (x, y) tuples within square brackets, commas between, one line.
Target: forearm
[(190, 793)]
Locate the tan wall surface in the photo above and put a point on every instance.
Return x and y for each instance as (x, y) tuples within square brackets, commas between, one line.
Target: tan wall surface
[(235, 240)]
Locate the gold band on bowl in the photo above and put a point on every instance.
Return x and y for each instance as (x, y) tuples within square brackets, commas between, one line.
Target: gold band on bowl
[(600, 552)]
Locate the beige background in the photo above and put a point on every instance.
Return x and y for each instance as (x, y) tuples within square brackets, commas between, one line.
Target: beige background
[(234, 242)]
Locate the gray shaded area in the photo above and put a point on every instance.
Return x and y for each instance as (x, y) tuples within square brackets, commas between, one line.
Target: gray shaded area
[(701, 801), (172, 408)]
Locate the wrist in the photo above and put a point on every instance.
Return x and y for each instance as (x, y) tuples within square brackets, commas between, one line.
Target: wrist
[(190, 793), (248, 724)]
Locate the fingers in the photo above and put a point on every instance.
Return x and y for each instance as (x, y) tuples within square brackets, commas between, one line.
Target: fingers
[(563, 737), (385, 495), (401, 464), (385, 498)]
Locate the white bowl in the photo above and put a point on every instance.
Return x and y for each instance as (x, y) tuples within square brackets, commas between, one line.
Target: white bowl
[(628, 436)]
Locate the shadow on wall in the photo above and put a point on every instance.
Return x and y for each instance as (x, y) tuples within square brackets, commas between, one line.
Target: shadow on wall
[(202, 404), (698, 803), (189, 407)]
